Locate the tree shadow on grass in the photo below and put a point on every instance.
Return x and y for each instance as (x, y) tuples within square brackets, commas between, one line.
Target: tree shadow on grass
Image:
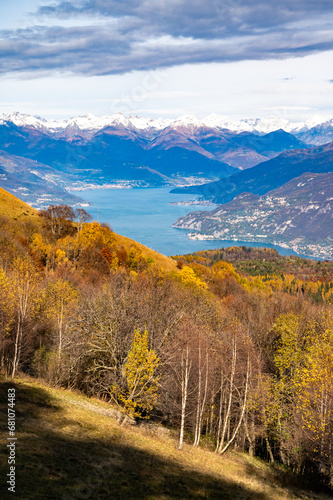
[(295, 483), (53, 466)]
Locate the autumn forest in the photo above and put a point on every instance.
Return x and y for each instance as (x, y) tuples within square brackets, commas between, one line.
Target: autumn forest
[(233, 347)]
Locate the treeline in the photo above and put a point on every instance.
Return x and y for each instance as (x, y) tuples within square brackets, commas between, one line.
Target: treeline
[(292, 274), (228, 360), (262, 261)]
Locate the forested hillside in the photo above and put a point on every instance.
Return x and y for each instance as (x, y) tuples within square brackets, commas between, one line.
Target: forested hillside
[(229, 357)]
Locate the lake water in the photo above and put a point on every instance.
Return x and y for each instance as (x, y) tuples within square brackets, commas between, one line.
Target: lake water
[(146, 216)]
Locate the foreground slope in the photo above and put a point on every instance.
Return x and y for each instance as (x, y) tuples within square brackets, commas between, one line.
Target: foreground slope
[(11, 206), (69, 447)]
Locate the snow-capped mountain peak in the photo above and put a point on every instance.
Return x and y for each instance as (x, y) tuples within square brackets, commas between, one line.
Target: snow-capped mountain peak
[(219, 121), (22, 120), (188, 121), (89, 123)]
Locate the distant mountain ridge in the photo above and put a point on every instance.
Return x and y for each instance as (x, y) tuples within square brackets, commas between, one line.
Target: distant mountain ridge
[(90, 122), (216, 137), (267, 175), (88, 152)]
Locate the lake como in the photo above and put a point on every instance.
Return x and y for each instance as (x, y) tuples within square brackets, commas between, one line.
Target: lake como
[(146, 216)]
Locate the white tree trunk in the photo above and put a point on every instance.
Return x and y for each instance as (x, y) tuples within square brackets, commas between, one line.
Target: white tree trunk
[(185, 375), (223, 449), (221, 437), (201, 403)]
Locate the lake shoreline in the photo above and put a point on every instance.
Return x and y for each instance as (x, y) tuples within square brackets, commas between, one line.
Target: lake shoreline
[(146, 215)]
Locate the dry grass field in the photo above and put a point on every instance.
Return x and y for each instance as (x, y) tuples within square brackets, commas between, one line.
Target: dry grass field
[(68, 447), (12, 207)]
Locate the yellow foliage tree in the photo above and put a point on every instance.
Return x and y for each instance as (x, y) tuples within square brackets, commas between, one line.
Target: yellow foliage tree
[(7, 312), (23, 283), (142, 381), (289, 352), (39, 248), (288, 358), (314, 382), (188, 276), (58, 298), (223, 269), (93, 233)]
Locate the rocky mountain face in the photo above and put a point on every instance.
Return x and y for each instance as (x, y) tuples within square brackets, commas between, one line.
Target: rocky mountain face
[(297, 215), (320, 134)]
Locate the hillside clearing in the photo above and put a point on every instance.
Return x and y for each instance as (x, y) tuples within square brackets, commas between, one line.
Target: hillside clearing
[(10, 206), (68, 449)]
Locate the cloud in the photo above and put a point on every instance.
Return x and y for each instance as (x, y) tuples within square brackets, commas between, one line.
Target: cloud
[(287, 108), (119, 37)]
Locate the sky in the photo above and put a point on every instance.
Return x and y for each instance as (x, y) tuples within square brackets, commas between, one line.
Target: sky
[(239, 58)]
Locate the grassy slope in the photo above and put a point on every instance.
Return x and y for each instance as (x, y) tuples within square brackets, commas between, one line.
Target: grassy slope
[(10, 206), (67, 450), (162, 261)]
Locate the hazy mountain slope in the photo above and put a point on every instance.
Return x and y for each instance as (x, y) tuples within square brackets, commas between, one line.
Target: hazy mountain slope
[(298, 215), (244, 150), (39, 184), (117, 156), (320, 134), (268, 175)]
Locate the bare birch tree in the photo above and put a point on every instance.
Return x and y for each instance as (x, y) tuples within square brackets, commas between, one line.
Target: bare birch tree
[(24, 283)]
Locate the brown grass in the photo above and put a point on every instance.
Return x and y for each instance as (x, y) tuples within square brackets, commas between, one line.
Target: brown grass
[(10, 206), (67, 449), (160, 260)]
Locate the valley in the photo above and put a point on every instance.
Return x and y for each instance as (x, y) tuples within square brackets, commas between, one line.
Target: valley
[(166, 250), (53, 157), (54, 162)]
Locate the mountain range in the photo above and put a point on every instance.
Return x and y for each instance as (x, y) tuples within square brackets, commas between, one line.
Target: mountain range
[(44, 159), (90, 123), (267, 175)]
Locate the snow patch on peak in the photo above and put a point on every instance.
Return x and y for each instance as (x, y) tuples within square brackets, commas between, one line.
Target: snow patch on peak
[(316, 120), (219, 121), (271, 123), (21, 119), (189, 121), (90, 123)]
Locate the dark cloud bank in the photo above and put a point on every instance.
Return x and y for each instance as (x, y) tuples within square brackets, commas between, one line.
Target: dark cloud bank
[(120, 36)]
